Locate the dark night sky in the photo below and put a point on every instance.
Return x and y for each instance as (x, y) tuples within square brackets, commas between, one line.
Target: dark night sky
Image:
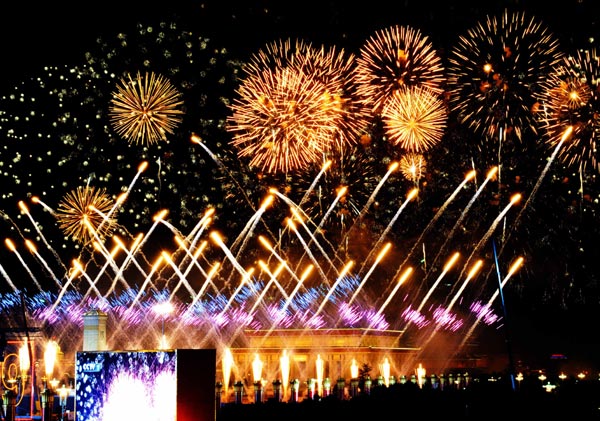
[(51, 32)]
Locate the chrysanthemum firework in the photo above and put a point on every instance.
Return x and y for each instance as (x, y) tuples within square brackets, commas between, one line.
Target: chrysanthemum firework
[(412, 166), (494, 71), (393, 59), (283, 120), (571, 97), (84, 214), (415, 119), (146, 108)]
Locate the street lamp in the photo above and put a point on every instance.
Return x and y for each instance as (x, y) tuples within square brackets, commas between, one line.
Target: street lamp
[(63, 394)]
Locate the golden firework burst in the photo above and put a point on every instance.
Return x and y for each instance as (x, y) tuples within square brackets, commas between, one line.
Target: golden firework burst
[(83, 214), (414, 119), (412, 166), (143, 110)]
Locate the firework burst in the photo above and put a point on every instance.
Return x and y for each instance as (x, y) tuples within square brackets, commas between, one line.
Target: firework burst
[(83, 214), (393, 59), (494, 71), (571, 97), (283, 120), (145, 109), (414, 119), (333, 68), (412, 166)]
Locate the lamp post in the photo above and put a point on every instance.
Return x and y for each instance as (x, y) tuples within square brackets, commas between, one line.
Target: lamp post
[(294, 386), (354, 387), (9, 405), (218, 392), (63, 394), (277, 390), (238, 389)]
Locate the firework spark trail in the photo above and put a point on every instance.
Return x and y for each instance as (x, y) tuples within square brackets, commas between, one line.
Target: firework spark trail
[(197, 140), (217, 239), (87, 277), (513, 269), (196, 232), (301, 216), (399, 283), (474, 269), (182, 277), (248, 231), (274, 253), (199, 228), (193, 257), (470, 175), (309, 252), (411, 195), (331, 290), (312, 240), (10, 282), (464, 213), (147, 281), (207, 282), (288, 302), (272, 280), (130, 257), (12, 248), (243, 282), (380, 256), (492, 228), (62, 292), (310, 189), (219, 317), (25, 210), (565, 136), (339, 195), (447, 267), (33, 251), (121, 199), (371, 199), (103, 269)]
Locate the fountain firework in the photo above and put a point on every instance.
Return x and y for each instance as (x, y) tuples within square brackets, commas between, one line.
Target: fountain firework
[(217, 295)]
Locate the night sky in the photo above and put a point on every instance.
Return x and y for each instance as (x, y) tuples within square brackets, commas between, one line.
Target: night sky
[(554, 304)]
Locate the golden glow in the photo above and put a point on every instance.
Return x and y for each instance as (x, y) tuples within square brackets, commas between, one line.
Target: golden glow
[(451, 262), (257, 366), (23, 207), (31, 246), (82, 214), (160, 215), (475, 268), (405, 275), (515, 266), (145, 109), (354, 369), (50, 358)]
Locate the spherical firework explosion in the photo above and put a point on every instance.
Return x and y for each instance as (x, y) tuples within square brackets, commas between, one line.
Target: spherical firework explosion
[(571, 97), (414, 119), (283, 120), (413, 166), (85, 214), (144, 110), (495, 71), (393, 59)]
